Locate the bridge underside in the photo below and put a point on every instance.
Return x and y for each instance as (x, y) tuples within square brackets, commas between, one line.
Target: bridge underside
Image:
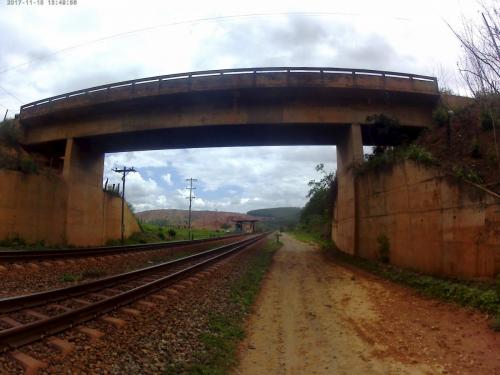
[(225, 136), (257, 109)]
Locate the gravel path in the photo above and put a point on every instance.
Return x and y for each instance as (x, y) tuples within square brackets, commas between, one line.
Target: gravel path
[(164, 335)]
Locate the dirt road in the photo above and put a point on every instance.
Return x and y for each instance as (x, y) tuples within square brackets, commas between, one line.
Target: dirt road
[(317, 317)]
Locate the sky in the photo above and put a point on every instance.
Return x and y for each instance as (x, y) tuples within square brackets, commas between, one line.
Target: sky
[(47, 50)]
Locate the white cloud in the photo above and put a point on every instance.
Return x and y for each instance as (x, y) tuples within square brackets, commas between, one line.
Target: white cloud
[(250, 177), (388, 35), (49, 51), (168, 179)]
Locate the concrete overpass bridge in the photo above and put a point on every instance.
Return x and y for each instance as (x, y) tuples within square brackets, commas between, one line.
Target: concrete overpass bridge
[(238, 107)]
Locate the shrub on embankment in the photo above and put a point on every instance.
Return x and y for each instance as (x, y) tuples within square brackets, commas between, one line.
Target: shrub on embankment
[(12, 156)]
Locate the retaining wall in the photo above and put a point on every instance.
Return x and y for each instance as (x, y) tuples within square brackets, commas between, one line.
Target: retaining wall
[(435, 223), (33, 207)]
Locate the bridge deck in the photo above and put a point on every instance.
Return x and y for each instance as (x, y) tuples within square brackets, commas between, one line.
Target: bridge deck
[(230, 79)]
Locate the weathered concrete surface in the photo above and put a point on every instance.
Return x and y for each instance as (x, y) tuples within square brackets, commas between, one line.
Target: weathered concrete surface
[(34, 207), (349, 154), (235, 108), (83, 173), (434, 223), (229, 100)]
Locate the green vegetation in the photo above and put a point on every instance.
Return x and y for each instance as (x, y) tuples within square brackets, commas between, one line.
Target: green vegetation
[(495, 324), (441, 115), (312, 237), (382, 158), (171, 234), (467, 174), (69, 277), (17, 242), (484, 296), (226, 329), (17, 162), (316, 216), (155, 233), (389, 129), (11, 156), (283, 218), (9, 134), (13, 242), (384, 248), (87, 274)]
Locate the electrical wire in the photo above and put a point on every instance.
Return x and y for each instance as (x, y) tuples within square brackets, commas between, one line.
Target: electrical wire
[(185, 22), (11, 94)]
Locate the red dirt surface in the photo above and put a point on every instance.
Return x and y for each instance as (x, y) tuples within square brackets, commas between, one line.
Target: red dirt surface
[(315, 316)]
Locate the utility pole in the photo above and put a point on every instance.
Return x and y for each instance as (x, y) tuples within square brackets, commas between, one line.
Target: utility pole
[(124, 171), (191, 197)]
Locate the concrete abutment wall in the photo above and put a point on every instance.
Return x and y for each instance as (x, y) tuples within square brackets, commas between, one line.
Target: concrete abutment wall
[(434, 223), (345, 225), (45, 207)]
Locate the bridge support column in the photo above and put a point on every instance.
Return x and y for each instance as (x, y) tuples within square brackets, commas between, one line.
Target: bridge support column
[(345, 216), (83, 172)]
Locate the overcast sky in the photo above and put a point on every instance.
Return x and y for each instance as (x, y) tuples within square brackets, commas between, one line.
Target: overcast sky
[(47, 49)]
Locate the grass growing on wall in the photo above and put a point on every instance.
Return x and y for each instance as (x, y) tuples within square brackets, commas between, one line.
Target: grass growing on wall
[(390, 156)]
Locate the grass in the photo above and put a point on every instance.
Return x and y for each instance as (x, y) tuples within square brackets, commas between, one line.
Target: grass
[(69, 277), (389, 157), (311, 236), (226, 330), (87, 274), (155, 233)]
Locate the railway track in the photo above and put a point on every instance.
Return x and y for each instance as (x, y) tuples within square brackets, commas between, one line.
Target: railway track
[(29, 318), (14, 256)]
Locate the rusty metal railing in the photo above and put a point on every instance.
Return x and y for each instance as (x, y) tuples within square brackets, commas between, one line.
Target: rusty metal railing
[(254, 71)]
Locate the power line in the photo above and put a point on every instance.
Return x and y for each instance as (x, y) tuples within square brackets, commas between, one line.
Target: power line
[(124, 173), (12, 95), (191, 197), (187, 22)]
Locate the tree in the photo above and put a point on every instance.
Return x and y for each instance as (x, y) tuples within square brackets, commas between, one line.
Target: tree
[(323, 184), (317, 213), (480, 40), (480, 62)]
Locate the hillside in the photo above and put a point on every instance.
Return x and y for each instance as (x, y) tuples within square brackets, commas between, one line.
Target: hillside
[(472, 153), (199, 219), (280, 216)]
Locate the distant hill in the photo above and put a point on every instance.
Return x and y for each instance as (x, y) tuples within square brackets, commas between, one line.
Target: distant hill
[(280, 216), (199, 219)]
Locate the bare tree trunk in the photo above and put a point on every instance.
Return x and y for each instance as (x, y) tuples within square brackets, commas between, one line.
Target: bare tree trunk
[(495, 137)]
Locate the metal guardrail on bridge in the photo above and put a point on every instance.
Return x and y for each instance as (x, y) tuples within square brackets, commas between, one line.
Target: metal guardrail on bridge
[(255, 71)]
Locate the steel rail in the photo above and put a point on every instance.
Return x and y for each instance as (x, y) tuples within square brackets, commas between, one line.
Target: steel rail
[(27, 333), (39, 255), (12, 304), (222, 72)]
